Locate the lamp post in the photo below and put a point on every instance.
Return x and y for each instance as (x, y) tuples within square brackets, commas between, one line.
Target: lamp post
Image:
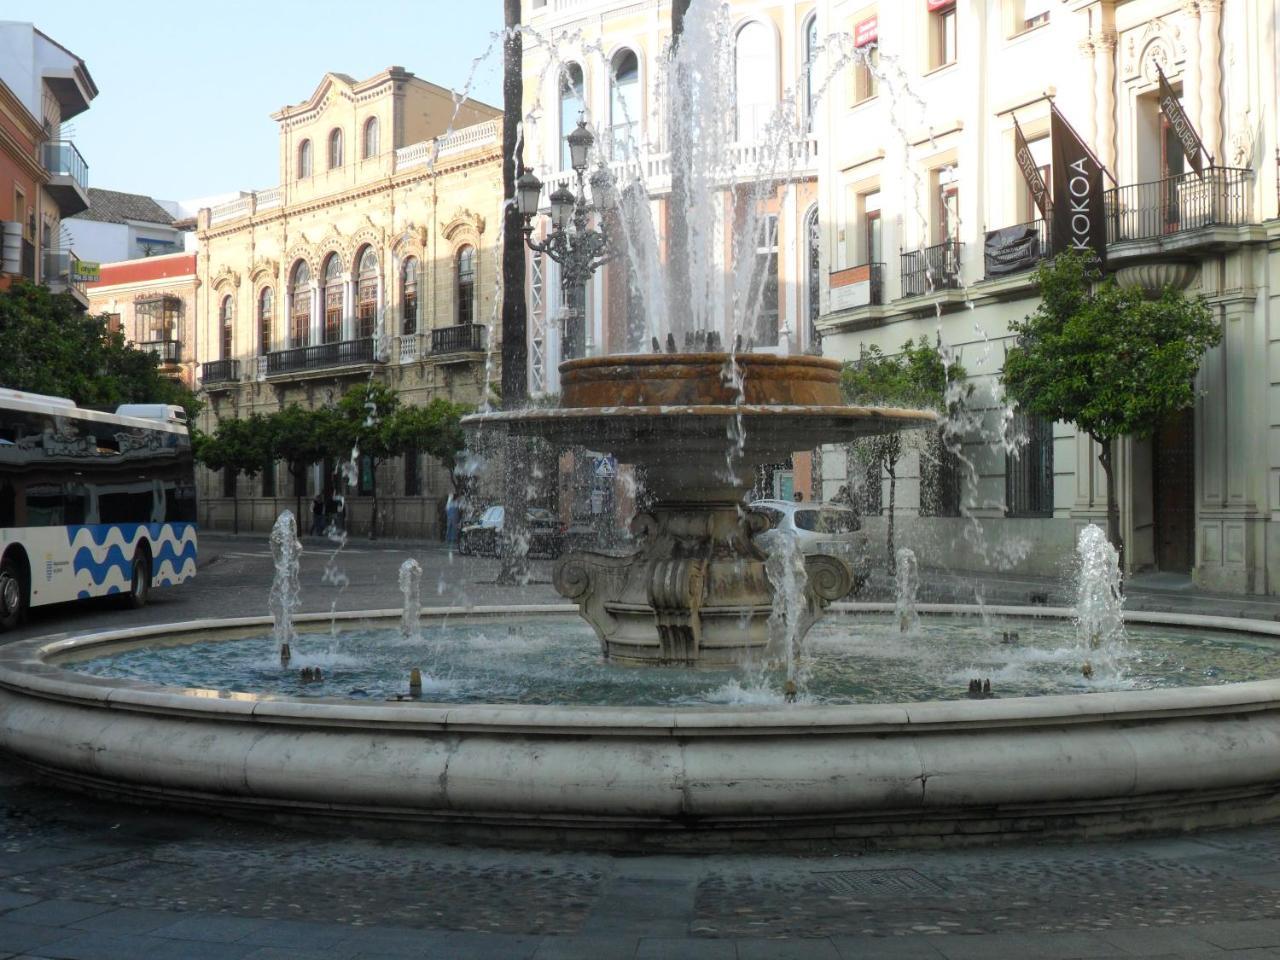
[(573, 242)]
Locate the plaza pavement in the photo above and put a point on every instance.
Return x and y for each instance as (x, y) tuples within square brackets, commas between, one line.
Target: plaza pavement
[(84, 879)]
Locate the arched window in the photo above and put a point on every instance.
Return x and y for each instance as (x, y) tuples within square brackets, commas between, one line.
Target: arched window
[(409, 294), (573, 101), (370, 147), (225, 321), (332, 274), (304, 159), (764, 296), (467, 285), (810, 78), (300, 305), (266, 307), (335, 148), (366, 293), (756, 84), (624, 102)]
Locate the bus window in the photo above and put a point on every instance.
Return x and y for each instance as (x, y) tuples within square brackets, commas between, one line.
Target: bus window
[(44, 505), (123, 506)]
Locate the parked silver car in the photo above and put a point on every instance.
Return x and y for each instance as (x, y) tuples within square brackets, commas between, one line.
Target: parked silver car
[(826, 528)]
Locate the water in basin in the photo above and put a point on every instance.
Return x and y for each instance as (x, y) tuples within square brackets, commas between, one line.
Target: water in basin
[(557, 660)]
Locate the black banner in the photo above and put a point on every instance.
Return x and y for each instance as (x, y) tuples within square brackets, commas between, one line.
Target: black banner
[(1030, 172), (1078, 222), (1011, 250), (1181, 125)]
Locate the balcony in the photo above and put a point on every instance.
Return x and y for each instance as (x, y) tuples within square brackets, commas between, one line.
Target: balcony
[(1014, 249), (168, 352), (858, 286), (323, 356), (930, 269), (220, 373), (57, 274), (68, 177), (464, 338), (1159, 209)]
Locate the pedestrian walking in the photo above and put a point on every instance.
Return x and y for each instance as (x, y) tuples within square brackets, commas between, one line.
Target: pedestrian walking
[(317, 516), (452, 516)]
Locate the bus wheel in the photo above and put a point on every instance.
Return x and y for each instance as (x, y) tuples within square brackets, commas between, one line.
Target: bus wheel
[(13, 595), (139, 580)]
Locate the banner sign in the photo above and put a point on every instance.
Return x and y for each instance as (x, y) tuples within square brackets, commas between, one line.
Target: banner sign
[(939, 4), (85, 271), (1011, 250), (1078, 222), (867, 31), (1030, 172), (1181, 126)]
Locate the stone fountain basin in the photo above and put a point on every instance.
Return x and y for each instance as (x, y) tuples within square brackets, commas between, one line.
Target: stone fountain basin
[(865, 775)]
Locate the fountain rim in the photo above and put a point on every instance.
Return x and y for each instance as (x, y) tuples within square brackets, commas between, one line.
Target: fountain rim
[(699, 358), (30, 667)]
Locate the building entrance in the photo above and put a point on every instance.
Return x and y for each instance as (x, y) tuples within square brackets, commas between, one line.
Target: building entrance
[(1173, 492)]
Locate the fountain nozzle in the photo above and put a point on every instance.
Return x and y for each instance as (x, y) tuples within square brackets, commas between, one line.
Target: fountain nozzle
[(285, 655), (789, 691), (415, 682)]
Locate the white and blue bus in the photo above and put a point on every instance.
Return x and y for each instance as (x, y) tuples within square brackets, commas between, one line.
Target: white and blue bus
[(92, 503)]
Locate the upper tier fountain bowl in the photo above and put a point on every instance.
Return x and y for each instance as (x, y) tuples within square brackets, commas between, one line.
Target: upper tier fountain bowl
[(695, 591)]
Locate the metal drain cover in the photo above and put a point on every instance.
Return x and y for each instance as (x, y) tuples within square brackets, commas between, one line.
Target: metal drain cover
[(877, 882)]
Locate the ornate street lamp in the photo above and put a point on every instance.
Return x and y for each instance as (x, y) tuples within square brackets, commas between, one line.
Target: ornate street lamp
[(573, 242)]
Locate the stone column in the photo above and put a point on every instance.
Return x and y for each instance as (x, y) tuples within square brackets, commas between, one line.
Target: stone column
[(1090, 130), (1191, 66), (1104, 81), (1211, 76)]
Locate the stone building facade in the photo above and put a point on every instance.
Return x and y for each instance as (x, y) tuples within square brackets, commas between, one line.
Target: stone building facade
[(918, 183), (374, 258)]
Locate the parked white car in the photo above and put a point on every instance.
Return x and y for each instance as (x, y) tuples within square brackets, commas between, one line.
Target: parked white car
[(822, 528)]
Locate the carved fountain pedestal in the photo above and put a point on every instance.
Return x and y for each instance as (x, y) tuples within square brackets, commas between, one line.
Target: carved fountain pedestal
[(695, 592)]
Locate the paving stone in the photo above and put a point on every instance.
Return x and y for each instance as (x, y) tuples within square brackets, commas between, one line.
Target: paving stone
[(1242, 935), (298, 934), (99, 946), (587, 948), (127, 920), (28, 936), (485, 946), (56, 913), (198, 950), (11, 901), (211, 929), (887, 948), (1158, 941), (659, 948), (1015, 946), (804, 949)]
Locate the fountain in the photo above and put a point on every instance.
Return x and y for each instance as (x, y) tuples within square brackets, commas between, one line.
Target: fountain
[(695, 591), (621, 750), (906, 583)]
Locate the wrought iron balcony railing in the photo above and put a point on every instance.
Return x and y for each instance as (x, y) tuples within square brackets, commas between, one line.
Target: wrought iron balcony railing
[(341, 354), (1220, 196), (1015, 249), (220, 371), (933, 268), (166, 351), (462, 338)]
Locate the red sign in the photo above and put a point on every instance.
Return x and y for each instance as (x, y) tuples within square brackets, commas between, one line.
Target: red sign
[(868, 31), (939, 4)]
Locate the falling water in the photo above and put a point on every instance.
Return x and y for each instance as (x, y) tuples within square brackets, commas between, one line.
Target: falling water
[(1099, 603), (784, 566), (411, 590), (286, 549), (906, 582)]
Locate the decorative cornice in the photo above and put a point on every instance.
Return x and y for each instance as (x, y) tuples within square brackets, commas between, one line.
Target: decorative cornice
[(462, 220), (224, 276), (264, 265)]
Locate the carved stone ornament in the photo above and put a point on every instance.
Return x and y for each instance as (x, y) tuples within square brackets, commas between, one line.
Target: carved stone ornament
[(1242, 140), (1152, 278), (1156, 41), (264, 268), (462, 219), (226, 276)]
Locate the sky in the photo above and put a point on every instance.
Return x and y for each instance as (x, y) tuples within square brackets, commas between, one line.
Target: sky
[(186, 89)]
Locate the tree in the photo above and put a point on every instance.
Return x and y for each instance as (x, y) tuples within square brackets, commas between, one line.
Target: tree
[(52, 347), (1106, 358), (918, 377), (367, 420), (302, 437), (242, 446)]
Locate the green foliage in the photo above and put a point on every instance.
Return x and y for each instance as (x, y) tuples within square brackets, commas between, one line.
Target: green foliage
[(1107, 359), (51, 346), (434, 429), (241, 445)]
